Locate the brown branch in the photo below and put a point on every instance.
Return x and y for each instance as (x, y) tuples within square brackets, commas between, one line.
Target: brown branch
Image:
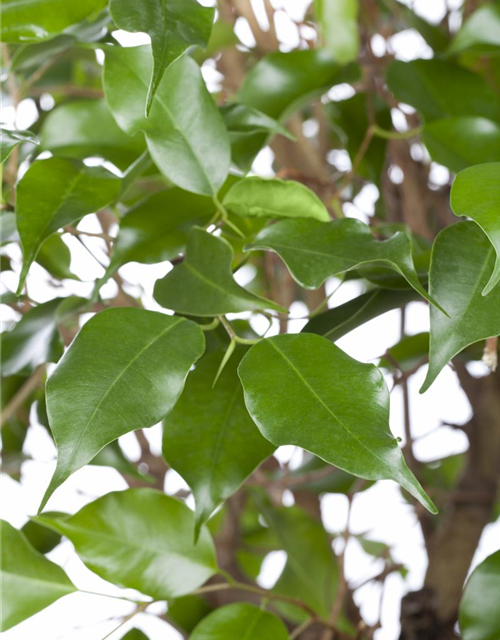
[(22, 395)]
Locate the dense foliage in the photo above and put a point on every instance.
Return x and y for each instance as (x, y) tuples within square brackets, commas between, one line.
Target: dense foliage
[(129, 139)]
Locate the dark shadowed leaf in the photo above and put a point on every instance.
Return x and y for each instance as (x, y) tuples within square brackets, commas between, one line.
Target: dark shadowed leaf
[(479, 611)]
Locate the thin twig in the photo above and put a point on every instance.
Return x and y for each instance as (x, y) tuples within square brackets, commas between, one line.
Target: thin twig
[(23, 394)]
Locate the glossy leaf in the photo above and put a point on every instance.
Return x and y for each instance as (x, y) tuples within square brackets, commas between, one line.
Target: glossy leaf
[(303, 390), (462, 261), (240, 620), (338, 23), (274, 198), (203, 284), (42, 207), (228, 444), (9, 139), (476, 194), (86, 128), (30, 582), (479, 611), (460, 142), (42, 19), (33, 341), (140, 539), (125, 370), (185, 132), (172, 26), (338, 321), (480, 33), (440, 89), (314, 251)]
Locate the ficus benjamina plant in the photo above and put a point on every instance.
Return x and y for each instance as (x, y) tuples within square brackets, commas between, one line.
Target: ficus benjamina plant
[(139, 155)]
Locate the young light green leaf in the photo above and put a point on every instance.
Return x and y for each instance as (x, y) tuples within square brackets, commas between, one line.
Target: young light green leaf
[(140, 539), (33, 341), (462, 261), (338, 22), (185, 132), (303, 390), (441, 89), (42, 19), (240, 620), (203, 284), (172, 26), (476, 193), (9, 139), (54, 193), (228, 445), (461, 142), (30, 582), (479, 612), (125, 370), (314, 251), (480, 33), (274, 198), (86, 128)]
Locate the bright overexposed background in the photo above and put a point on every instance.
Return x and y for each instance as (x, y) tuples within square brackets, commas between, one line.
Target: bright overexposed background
[(380, 512)]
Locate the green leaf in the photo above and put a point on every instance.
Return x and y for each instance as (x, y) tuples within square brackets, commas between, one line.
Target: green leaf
[(33, 341), (9, 139), (407, 354), (314, 251), (86, 128), (185, 132), (479, 612), (33, 20), (186, 612), (41, 538), (433, 34), (480, 33), (8, 230), (203, 284), (135, 634), (311, 571), (228, 445), (240, 620), (172, 26), (274, 198), (460, 142), (338, 23), (440, 89), (461, 264), (303, 390), (30, 582), (475, 193), (55, 257), (125, 370), (140, 539), (54, 193), (337, 322)]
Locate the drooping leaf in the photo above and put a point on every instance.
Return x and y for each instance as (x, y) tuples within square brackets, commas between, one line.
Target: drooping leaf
[(125, 370), (203, 285), (460, 142), (314, 251), (54, 193), (172, 26), (336, 322), (303, 390), (462, 262), (440, 89), (480, 33), (30, 582), (33, 341), (479, 612), (274, 198), (140, 539), (55, 257), (86, 128), (9, 139), (240, 620), (311, 571), (185, 132), (42, 19), (338, 23), (228, 444), (475, 193)]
